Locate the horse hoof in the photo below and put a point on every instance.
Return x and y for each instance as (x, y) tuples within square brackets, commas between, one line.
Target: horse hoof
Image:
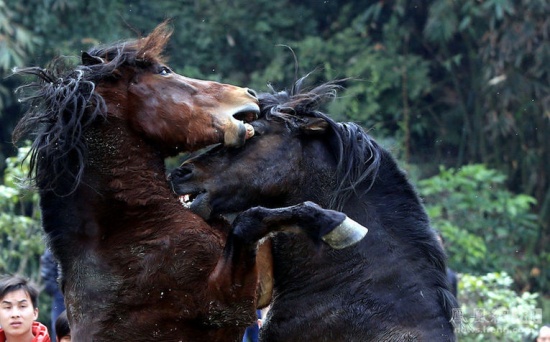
[(346, 234)]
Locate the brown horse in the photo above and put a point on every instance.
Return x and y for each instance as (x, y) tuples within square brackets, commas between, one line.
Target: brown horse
[(135, 266)]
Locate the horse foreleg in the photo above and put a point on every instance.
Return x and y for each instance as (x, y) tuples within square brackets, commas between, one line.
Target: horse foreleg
[(332, 227), (234, 283), (264, 262), (242, 279)]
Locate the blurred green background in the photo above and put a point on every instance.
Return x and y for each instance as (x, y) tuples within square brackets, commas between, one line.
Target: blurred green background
[(459, 91)]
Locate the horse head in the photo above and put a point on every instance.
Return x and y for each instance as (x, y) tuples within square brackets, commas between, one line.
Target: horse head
[(298, 153), (130, 83)]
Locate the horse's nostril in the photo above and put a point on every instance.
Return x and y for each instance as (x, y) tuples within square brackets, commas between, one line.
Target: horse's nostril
[(183, 173), (252, 93)]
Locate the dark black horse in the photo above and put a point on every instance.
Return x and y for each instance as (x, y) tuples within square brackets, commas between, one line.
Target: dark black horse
[(391, 286)]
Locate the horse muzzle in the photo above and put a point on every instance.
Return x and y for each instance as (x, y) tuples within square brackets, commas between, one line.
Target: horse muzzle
[(240, 130)]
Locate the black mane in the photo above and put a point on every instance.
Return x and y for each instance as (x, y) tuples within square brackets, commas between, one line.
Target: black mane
[(358, 155), (359, 160), (63, 103)]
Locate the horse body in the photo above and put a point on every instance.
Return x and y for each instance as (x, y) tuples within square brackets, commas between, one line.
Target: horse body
[(390, 286), (382, 289), (123, 260), (135, 266)]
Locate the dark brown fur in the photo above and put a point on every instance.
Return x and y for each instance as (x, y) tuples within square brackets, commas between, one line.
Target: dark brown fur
[(135, 265)]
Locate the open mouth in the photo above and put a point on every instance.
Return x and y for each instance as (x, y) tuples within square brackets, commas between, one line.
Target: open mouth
[(193, 200), (198, 203), (246, 115), (187, 199)]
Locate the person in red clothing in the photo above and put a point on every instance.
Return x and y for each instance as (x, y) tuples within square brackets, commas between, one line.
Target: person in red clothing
[(19, 311)]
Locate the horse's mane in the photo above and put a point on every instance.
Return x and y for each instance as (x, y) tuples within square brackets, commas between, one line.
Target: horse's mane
[(357, 154), (63, 103)]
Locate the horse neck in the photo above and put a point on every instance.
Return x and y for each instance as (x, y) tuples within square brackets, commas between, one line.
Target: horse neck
[(122, 204), (318, 183), (397, 221), (123, 180), (398, 256), (391, 209), (124, 167), (393, 199)]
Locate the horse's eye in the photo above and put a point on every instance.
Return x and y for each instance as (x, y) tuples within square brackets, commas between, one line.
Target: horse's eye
[(164, 70)]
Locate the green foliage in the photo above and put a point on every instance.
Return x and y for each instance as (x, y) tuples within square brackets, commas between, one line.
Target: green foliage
[(442, 23), (384, 82), (16, 40), (492, 62), (487, 228), (20, 231), (491, 311), (448, 82), (16, 44)]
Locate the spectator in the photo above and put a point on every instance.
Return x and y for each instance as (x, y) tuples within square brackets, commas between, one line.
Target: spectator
[(62, 328), (49, 271), (544, 334), (19, 311), (251, 333)]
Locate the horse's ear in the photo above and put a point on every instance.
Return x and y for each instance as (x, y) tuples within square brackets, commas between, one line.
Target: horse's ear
[(314, 126), (88, 59)]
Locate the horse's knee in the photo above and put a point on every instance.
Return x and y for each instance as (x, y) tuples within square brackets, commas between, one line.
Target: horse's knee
[(249, 225)]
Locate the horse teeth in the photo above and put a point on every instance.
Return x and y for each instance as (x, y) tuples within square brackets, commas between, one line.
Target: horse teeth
[(249, 131), (185, 200)]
